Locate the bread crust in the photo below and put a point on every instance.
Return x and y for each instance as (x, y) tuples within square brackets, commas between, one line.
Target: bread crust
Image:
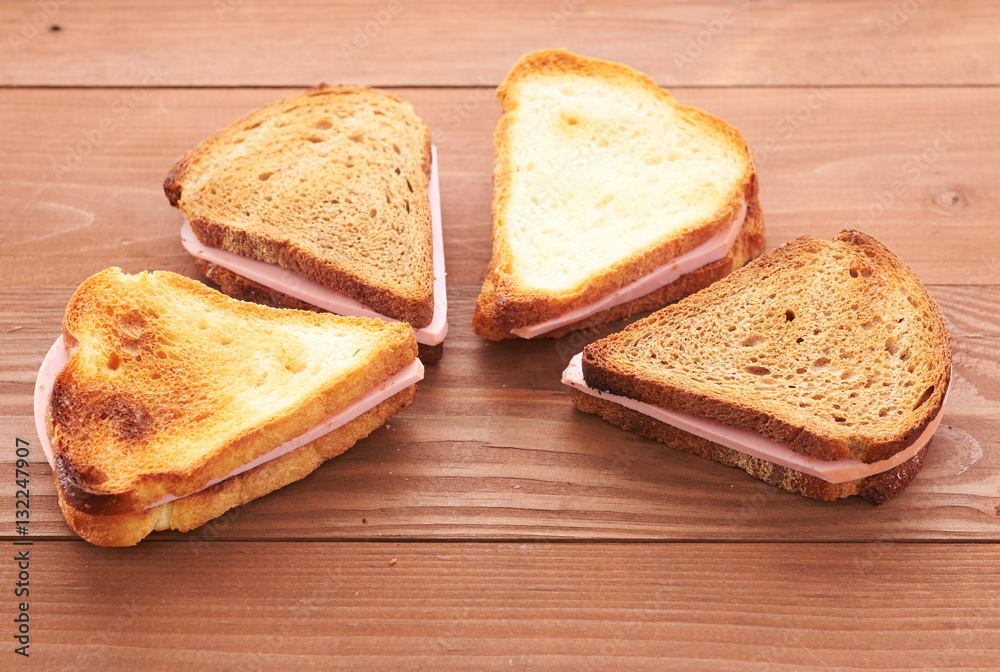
[(749, 244), (407, 296), (505, 303), (877, 488), (800, 431), (188, 513), (125, 324), (235, 285)]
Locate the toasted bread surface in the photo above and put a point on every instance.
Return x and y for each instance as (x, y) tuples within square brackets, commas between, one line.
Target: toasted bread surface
[(600, 176), (244, 289), (876, 488), (834, 349), (332, 184), (170, 384), (749, 244), (127, 529)]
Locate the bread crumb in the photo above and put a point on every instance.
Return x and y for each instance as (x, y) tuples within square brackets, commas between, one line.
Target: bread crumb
[(393, 561)]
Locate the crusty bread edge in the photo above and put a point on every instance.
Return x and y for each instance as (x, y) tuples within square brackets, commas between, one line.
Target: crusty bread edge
[(749, 244), (797, 438), (516, 306), (197, 509), (876, 488), (417, 310), (399, 348), (244, 289)]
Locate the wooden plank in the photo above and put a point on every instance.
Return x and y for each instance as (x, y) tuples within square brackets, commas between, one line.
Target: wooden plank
[(494, 449), (738, 607), (913, 167), (406, 43), (471, 461), (416, 480), (325, 573)]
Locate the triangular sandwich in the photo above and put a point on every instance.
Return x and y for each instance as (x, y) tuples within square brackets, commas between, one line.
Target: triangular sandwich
[(325, 200), (821, 367), (166, 403), (609, 199)]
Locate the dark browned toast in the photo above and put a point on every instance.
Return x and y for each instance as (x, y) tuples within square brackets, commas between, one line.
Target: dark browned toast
[(833, 349)]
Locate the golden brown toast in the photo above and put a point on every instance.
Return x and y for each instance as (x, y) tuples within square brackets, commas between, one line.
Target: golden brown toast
[(171, 385), (600, 177), (332, 184), (188, 513), (834, 349)]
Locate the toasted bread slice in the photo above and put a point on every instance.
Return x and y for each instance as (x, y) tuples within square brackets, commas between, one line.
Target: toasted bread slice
[(188, 513), (332, 184), (600, 178), (876, 488), (238, 287), (833, 349), (749, 243), (171, 385)]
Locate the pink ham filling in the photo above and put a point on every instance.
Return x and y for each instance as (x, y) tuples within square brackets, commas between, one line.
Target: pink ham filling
[(751, 443), (294, 285), (57, 358)]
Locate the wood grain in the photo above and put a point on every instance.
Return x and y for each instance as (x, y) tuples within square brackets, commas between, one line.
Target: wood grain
[(494, 449), (525, 534), (912, 167), (741, 607), (454, 43)]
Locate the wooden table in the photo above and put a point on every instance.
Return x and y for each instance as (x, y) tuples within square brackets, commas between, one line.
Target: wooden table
[(491, 525)]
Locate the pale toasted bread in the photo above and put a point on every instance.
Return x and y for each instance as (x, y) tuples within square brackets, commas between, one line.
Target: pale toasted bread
[(600, 178), (241, 288), (171, 385), (833, 349), (331, 184)]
